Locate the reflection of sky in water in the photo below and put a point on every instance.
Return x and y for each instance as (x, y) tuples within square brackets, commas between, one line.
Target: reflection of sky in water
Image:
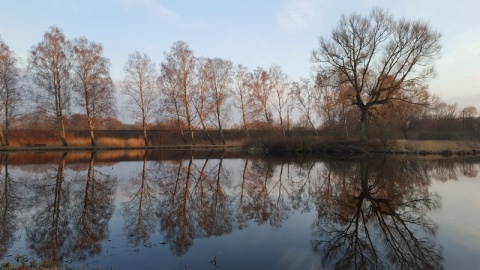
[(459, 221), (258, 245)]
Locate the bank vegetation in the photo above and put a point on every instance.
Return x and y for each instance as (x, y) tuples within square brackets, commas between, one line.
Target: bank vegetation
[(368, 91)]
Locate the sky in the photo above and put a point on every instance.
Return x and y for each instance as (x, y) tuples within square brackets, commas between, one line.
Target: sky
[(255, 33)]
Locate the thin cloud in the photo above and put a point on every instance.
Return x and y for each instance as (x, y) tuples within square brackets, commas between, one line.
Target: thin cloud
[(297, 15), (152, 7)]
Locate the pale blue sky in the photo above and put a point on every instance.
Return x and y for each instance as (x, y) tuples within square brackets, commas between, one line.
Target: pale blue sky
[(250, 32)]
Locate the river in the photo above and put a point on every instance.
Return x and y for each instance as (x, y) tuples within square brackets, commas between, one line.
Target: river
[(217, 209)]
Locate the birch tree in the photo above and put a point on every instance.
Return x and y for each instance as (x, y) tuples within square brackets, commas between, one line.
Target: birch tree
[(178, 68), (10, 92), (304, 94), (259, 82), (280, 86), (220, 80), (51, 64), (139, 85), (92, 81), (202, 97)]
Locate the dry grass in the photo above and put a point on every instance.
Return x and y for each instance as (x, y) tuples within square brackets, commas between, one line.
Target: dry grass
[(435, 146), (50, 138), (130, 142)]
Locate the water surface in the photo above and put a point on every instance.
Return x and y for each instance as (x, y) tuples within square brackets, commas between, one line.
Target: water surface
[(208, 210)]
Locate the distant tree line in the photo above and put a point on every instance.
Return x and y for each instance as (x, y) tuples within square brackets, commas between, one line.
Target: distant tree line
[(371, 80)]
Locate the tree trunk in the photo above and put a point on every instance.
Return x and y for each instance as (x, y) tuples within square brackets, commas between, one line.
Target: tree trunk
[(2, 138), (245, 126), (223, 136), (345, 121), (179, 121), (92, 134), (92, 138), (206, 130), (7, 127), (244, 116), (144, 127), (192, 136), (363, 124), (61, 130), (91, 126), (281, 125), (219, 122), (181, 131), (313, 126)]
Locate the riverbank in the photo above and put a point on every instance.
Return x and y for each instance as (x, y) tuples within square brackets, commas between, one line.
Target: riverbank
[(47, 148), (413, 147), (460, 148), (291, 145)]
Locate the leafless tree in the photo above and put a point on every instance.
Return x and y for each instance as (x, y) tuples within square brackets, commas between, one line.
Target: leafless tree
[(139, 85), (280, 85), (50, 62), (92, 82), (220, 81), (10, 93), (248, 106), (260, 85), (178, 70), (305, 97), (468, 113), (202, 101), (381, 58), (441, 110), (170, 103)]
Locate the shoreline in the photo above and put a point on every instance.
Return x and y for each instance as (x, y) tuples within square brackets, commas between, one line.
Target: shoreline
[(396, 147), (408, 147), (76, 148)]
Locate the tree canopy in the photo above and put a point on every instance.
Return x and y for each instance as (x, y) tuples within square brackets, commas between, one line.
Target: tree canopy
[(380, 59)]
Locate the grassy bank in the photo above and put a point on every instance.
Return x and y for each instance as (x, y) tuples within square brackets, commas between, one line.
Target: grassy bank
[(332, 147), (260, 142), (79, 140)]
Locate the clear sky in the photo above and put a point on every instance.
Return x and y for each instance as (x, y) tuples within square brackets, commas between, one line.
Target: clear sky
[(249, 32)]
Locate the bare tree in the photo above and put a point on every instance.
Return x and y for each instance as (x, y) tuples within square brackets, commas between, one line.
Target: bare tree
[(260, 84), (248, 106), (468, 113), (221, 77), (170, 99), (305, 97), (140, 86), (381, 58), (93, 82), (334, 103), (202, 97), (280, 85), (178, 69), (50, 62), (10, 94)]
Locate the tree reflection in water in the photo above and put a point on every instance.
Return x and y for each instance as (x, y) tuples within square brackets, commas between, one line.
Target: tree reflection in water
[(73, 213), (92, 209), (10, 205), (193, 202), (50, 226), (374, 215), (371, 213), (139, 211)]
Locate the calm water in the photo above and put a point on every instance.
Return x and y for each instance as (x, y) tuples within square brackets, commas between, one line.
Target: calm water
[(208, 210)]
